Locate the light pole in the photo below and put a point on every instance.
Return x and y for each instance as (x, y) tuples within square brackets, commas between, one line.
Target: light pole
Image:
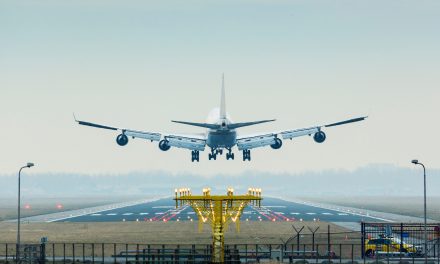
[(416, 162), (17, 257)]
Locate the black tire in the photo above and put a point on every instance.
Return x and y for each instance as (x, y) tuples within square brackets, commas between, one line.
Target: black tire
[(369, 253)]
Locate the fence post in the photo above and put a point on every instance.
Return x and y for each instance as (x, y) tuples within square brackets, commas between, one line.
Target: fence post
[(114, 252), (363, 240), (137, 253), (340, 253), (256, 254), (42, 253), (6, 252), (93, 253), (401, 241), (53, 253), (304, 253), (126, 253), (102, 251), (317, 253), (246, 256), (84, 254), (64, 253), (73, 252), (352, 253), (328, 243)]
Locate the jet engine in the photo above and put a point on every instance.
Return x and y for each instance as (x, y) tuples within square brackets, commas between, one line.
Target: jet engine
[(163, 145), (122, 140), (319, 137), (277, 145)]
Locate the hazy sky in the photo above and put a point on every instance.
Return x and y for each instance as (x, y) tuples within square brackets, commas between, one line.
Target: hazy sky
[(139, 64)]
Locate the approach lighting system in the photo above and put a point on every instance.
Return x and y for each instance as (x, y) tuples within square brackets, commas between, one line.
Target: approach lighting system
[(219, 211)]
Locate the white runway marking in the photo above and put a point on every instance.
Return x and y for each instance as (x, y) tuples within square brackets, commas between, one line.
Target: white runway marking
[(342, 214), (311, 213), (144, 213), (127, 214), (275, 206), (95, 214), (163, 207), (112, 214), (281, 213), (160, 213), (294, 213), (190, 213), (327, 213)]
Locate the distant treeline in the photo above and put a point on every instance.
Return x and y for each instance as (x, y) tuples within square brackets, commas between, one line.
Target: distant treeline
[(370, 180)]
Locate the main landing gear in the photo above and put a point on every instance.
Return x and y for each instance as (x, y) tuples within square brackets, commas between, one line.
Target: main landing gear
[(213, 154), (230, 155), (195, 156), (246, 155)]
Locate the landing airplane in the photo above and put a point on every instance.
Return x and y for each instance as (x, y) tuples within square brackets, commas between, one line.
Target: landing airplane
[(221, 135)]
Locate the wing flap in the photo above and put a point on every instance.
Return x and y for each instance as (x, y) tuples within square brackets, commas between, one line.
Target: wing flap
[(299, 132), (141, 134), (256, 142), (186, 142)]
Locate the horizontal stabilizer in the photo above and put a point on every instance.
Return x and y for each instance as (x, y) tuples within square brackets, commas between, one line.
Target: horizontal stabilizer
[(205, 125), (237, 125), (347, 121)]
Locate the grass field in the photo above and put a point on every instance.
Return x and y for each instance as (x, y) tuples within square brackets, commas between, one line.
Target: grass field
[(165, 232), (411, 206), (39, 206)]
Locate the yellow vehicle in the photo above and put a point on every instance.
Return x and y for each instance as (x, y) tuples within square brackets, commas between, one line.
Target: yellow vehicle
[(388, 245)]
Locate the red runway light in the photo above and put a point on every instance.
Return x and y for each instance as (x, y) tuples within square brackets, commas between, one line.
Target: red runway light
[(59, 206), (27, 206)]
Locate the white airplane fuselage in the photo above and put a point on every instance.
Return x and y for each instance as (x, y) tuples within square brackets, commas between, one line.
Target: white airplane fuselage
[(223, 137)]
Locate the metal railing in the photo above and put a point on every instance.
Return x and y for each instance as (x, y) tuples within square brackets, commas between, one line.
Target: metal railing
[(62, 253)]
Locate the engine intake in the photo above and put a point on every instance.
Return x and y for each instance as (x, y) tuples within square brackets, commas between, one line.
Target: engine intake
[(277, 145), (319, 137), (122, 140), (163, 145)]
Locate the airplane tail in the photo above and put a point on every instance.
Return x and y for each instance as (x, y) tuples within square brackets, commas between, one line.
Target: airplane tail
[(223, 100)]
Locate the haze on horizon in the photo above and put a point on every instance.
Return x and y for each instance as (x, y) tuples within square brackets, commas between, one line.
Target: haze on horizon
[(139, 64)]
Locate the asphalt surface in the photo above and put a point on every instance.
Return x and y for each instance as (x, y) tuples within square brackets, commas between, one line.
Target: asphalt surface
[(272, 209)]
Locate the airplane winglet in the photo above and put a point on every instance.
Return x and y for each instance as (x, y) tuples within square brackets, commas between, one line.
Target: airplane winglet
[(74, 117)]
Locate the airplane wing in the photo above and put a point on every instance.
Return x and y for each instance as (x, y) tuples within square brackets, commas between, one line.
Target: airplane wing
[(191, 142), (273, 139)]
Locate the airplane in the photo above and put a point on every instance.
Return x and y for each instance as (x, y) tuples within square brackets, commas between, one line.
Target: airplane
[(221, 134)]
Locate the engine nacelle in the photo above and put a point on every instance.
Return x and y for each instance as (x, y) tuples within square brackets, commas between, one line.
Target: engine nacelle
[(163, 145), (277, 145), (319, 137), (122, 140)]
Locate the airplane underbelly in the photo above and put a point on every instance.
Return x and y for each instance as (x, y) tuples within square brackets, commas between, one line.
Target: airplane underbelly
[(222, 139)]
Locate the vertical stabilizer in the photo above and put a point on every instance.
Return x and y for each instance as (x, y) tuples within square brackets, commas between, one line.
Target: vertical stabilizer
[(223, 100)]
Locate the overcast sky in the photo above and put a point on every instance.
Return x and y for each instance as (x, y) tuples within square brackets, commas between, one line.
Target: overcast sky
[(139, 64)]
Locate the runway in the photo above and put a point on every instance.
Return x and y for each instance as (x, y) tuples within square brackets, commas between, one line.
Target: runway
[(272, 209)]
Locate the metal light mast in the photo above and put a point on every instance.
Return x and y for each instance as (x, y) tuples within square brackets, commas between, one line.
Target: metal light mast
[(219, 210)]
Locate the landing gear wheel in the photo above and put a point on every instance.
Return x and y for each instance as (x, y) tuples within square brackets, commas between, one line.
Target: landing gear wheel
[(246, 155), (229, 156), (212, 156), (195, 156)]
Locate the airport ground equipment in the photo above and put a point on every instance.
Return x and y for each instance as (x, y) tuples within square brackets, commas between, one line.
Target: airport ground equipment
[(219, 210)]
